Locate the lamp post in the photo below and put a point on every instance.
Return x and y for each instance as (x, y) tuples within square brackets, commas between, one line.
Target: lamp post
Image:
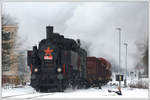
[(126, 64), (119, 29)]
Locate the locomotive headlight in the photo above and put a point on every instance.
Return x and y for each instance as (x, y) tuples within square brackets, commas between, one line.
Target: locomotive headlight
[(59, 69), (35, 70)]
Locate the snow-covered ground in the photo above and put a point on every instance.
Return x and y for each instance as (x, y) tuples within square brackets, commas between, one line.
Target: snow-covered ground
[(17, 91), (29, 92), (134, 81)]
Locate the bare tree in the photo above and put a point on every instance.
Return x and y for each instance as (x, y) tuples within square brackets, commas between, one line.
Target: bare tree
[(8, 20), (143, 62), (8, 47)]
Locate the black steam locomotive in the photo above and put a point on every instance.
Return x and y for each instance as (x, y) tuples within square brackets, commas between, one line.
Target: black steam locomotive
[(57, 63)]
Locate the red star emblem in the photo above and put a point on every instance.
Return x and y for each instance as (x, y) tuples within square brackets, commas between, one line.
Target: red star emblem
[(48, 51)]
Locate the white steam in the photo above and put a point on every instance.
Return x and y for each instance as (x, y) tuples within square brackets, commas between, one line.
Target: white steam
[(93, 23)]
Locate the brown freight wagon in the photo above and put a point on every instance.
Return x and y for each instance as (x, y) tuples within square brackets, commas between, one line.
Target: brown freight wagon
[(105, 63), (107, 67), (96, 72)]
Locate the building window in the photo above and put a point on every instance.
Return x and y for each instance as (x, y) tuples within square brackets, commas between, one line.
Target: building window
[(6, 36), (5, 63)]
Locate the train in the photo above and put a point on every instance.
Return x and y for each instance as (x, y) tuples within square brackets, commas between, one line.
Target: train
[(58, 63)]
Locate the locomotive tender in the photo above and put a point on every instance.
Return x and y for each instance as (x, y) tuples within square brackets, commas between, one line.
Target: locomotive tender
[(58, 63)]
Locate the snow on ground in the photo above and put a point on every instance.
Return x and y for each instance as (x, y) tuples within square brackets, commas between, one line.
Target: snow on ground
[(77, 93), (134, 80), (17, 91)]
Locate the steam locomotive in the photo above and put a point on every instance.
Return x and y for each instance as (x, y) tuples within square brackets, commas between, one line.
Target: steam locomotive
[(58, 63)]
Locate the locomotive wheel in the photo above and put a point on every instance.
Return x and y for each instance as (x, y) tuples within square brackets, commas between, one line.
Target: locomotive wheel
[(60, 89), (37, 89), (43, 90), (73, 85), (99, 86), (60, 86), (81, 85)]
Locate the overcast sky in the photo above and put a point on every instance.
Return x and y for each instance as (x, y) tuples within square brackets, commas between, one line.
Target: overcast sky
[(93, 23)]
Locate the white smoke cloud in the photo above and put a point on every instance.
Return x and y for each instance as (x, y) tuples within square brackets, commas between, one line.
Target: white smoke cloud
[(93, 23)]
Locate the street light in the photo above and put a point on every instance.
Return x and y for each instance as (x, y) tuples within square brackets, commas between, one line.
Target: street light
[(126, 64), (119, 29)]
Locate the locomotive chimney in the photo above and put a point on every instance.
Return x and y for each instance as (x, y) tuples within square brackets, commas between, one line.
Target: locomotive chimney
[(49, 30)]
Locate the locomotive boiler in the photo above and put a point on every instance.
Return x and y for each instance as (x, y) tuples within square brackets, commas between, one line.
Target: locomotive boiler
[(59, 62)]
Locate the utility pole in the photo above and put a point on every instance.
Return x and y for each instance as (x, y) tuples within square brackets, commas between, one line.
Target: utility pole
[(119, 29), (125, 82)]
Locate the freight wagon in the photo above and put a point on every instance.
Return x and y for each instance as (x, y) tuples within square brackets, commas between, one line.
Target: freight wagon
[(98, 71)]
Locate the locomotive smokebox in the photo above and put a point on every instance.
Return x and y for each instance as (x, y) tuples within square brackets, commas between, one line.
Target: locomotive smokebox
[(49, 31)]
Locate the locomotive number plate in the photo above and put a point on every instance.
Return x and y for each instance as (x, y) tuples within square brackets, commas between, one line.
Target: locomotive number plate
[(48, 57)]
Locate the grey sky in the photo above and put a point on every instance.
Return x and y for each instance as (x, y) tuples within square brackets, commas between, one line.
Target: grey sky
[(94, 23)]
